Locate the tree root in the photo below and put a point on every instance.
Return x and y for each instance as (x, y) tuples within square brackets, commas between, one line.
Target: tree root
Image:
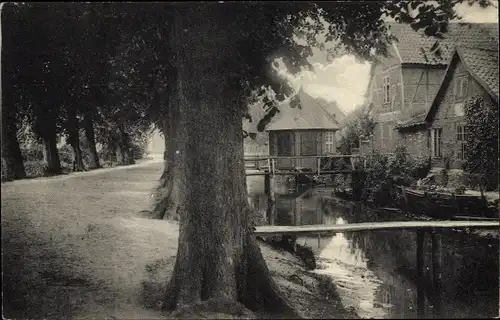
[(214, 309), (264, 287), (257, 292)]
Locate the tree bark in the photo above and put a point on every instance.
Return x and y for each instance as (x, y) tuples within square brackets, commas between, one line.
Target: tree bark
[(74, 140), (51, 154), (170, 192), (123, 152), (77, 155), (11, 152), (120, 157), (88, 126), (219, 266), (165, 135)]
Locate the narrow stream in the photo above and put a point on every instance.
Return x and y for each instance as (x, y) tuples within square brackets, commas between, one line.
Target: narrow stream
[(375, 272)]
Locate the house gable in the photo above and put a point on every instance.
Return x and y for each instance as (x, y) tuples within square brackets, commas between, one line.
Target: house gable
[(387, 72), (480, 66), (425, 59), (463, 80)]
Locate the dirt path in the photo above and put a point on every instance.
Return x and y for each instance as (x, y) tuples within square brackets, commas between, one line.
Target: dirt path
[(74, 247)]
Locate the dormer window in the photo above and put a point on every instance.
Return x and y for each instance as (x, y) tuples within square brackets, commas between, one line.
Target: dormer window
[(386, 88)]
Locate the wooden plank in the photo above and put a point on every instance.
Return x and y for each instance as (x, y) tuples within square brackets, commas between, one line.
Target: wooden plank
[(336, 156), (420, 275), (350, 227), (437, 264), (294, 173)]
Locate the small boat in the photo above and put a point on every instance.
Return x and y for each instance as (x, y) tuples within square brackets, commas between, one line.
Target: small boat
[(442, 205), (476, 206), (437, 205)]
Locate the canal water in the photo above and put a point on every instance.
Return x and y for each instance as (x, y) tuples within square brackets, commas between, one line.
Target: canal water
[(375, 272)]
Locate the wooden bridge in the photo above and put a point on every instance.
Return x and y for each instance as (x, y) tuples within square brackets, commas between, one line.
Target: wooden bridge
[(268, 165), (365, 226), (422, 227)]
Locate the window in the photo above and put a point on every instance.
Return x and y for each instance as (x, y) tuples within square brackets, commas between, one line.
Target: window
[(460, 88), (436, 138), (386, 90), (329, 136), (460, 133), (461, 142)]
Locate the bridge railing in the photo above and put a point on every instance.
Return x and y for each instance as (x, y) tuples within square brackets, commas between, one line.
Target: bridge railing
[(273, 161)]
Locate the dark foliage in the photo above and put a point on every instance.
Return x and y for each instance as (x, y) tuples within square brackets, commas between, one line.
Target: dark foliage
[(482, 143)]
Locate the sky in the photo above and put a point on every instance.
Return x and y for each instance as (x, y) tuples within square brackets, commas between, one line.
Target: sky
[(344, 80)]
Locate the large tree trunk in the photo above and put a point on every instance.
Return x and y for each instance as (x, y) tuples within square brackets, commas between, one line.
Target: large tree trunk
[(165, 134), (51, 154), (88, 126), (74, 140), (120, 157), (170, 193), (123, 152), (219, 266), (11, 152)]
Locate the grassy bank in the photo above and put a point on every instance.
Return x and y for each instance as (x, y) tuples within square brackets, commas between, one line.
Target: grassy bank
[(77, 247)]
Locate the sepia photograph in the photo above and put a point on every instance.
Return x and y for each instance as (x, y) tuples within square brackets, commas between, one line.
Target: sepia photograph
[(250, 160)]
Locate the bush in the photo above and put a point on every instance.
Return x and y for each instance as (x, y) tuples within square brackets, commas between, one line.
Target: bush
[(421, 167), (360, 127), (35, 169), (32, 152), (66, 154), (376, 183), (106, 156), (482, 141), (138, 150)]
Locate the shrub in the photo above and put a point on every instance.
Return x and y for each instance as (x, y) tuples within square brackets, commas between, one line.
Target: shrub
[(35, 169), (482, 141), (32, 152), (66, 154), (376, 183), (421, 167), (360, 127), (138, 150), (105, 155)]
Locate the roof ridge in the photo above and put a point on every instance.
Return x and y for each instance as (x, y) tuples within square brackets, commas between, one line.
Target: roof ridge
[(459, 47), (330, 118)]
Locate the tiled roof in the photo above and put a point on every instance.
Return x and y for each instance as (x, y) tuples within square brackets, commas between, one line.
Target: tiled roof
[(480, 63), (416, 47), (332, 108), (483, 66), (308, 115), (415, 121)]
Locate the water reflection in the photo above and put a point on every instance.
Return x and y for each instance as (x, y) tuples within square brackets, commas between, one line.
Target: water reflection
[(375, 272)]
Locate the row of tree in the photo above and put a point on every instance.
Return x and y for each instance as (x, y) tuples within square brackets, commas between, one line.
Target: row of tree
[(192, 69), (64, 71)]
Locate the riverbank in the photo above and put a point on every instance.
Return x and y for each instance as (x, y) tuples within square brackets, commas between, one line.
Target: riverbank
[(75, 247)]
